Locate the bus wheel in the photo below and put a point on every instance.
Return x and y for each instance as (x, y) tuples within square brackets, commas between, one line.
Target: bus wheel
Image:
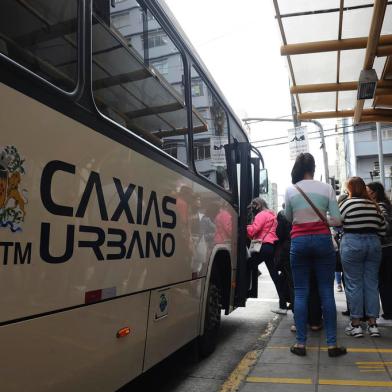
[(207, 342)]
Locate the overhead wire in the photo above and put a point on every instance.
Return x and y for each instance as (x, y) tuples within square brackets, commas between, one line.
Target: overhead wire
[(316, 138), (285, 137)]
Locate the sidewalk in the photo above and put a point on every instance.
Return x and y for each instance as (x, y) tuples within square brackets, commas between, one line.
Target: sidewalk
[(366, 367)]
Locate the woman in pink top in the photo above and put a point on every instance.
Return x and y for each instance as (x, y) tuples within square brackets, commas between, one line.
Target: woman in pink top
[(263, 228)]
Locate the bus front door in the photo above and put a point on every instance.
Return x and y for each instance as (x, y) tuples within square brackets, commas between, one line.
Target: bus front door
[(247, 171)]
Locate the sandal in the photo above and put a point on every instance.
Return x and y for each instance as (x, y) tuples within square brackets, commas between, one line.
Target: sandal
[(337, 351), (300, 351)]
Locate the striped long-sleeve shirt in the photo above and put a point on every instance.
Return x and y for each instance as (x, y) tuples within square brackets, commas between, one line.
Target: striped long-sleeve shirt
[(304, 218), (362, 216)]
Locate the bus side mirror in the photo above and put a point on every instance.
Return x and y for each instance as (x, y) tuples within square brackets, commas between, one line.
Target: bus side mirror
[(263, 181)]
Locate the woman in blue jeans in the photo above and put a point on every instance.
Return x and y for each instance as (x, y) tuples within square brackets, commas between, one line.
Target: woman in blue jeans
[(307, 204), (377, 194), (360, 251)]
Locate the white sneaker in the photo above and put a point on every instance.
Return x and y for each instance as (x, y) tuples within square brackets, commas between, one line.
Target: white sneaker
[(373, 331), (279, 311), (355, 331)]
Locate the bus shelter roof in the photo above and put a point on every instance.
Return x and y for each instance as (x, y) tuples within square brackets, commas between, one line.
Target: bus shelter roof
[(327, 44)]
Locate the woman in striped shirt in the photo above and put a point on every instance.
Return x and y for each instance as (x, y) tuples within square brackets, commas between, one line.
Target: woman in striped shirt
[(360, 249)]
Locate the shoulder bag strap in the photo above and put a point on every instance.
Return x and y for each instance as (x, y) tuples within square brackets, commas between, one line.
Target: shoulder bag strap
[(269, 230), (315, 209)]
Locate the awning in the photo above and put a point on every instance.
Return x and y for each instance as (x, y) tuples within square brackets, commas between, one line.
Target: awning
[(327, 44)]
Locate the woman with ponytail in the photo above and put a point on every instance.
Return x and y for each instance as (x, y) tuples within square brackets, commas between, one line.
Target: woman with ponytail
[(307, 204)]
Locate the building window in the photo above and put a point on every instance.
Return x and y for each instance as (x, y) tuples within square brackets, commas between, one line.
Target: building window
[(120, 20), (197, 88), (386, 133), (162, 66), (202, 152), (157, 39)]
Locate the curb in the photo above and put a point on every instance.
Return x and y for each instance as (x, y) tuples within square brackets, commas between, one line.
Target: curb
[(239, 374)]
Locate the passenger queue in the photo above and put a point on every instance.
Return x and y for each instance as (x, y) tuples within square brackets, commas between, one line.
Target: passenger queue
[(315, 236)]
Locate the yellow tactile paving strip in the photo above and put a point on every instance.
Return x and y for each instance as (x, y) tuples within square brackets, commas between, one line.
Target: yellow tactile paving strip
[(308, 381), (349, 349), (362, 374), (239, 374), (280, 380), (356, 383), (363, 366), (373, 366)]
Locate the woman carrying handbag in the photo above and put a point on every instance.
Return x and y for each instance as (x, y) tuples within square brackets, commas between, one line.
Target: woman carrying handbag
[(262, 232), (307, 204)]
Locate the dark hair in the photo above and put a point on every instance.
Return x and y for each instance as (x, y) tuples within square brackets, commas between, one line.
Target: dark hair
[(261, 203), (303, 164), (379, 192)]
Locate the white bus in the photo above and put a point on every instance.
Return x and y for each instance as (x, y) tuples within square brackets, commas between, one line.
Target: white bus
[(124, 184)]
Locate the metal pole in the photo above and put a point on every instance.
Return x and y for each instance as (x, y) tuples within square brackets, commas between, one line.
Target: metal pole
[(319, 126), (380, 154), (324, 148)]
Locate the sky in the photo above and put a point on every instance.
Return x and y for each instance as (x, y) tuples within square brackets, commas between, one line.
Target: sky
[(239, 42)]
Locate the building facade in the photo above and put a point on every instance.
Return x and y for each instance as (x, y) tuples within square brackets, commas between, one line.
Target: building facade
[(366, 152), (357, 152), (272, 196)]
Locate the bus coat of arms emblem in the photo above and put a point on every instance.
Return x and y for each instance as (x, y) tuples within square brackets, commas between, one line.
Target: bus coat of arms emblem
[(13, 199)]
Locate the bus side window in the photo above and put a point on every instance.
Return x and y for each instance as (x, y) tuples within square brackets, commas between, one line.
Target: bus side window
[(209, 141), (138, 76), (41, 35)]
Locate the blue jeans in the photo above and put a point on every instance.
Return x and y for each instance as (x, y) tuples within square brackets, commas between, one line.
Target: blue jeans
[(338, 277), (361, 258), (314, 252)]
